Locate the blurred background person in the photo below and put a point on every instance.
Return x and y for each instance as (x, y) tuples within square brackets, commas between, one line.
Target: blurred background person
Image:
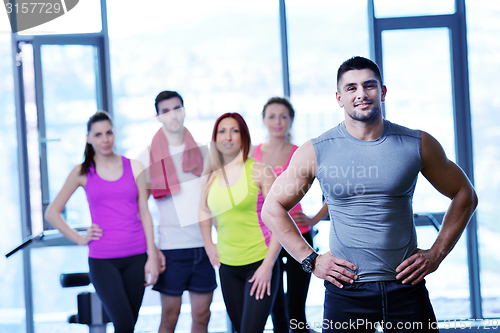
[(246, 251), (174, 164), (277, 115), (121, 231)]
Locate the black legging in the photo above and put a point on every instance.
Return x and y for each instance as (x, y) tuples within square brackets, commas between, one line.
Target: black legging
[(247, 314), (291, 305), (119, 283)]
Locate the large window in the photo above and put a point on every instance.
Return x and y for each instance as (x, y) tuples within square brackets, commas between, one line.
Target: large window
[(484, 46), (224, 56), (320, 38), (221, 56), (417, 72)]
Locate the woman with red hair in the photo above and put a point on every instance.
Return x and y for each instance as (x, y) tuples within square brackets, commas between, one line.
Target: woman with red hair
[(246, 251)]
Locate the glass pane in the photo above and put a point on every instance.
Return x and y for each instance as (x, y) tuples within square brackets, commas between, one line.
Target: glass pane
[(316, 50), (419, 95), (483, 25), (417, 73), (5, 30), (52, 303), (84, 17), (12, 310), (221, 56), (449, 285), (69, 87), (395, 8), (315, 53)]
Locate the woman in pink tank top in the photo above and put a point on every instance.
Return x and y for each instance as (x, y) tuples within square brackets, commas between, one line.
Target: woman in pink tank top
[(123, 258), (278, 115)]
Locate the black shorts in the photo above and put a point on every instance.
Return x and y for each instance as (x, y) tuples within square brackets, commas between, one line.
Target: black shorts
[(187, 269), (394, 306)]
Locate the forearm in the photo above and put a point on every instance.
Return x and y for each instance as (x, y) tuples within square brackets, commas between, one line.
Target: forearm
[(455, 220), (272, 252), (147, 225), (57, 221), (323, 212), (206, 231), (276, 217)]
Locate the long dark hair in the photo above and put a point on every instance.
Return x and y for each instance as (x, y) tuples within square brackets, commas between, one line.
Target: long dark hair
[(89, 150)]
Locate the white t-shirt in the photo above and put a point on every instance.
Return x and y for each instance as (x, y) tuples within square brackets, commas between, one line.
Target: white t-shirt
[(179, 226)]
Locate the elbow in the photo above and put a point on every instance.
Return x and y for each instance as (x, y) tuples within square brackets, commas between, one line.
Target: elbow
[(468, 199), (474, 200), (48, 213)]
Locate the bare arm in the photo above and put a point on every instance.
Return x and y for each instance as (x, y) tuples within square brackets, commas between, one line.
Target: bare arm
[(151, 269), (452, 182), (264, 178), (303, 220), (205, 217), (285, 193), (54, 210)]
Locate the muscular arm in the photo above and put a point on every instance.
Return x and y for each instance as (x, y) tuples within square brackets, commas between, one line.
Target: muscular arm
[(285, 193), (452, 182)]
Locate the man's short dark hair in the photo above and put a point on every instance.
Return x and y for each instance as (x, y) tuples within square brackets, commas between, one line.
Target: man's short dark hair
[(357, 63), (167, 94)]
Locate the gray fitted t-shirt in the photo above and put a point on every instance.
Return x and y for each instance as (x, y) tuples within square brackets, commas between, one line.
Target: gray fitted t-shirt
[(368, 186)]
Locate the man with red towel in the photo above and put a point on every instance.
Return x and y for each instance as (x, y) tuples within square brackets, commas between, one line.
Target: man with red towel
[(175, 163)]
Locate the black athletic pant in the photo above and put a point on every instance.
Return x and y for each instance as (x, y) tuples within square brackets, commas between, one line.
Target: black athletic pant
[(247, 314), (292, 305), (119, 283)]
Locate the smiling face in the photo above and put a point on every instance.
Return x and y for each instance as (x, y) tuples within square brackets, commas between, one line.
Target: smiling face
[(228, 138), (101, 137), (171, 114), (361, 95), (277, 120)]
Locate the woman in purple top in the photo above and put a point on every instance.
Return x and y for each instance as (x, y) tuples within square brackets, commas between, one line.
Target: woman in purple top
[(122, 229)]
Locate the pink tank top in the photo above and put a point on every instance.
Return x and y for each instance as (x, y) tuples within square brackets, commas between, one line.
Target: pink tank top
[(278, 171), (113, 207)]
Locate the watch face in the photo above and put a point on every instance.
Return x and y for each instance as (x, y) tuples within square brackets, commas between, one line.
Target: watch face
[(307, 265)]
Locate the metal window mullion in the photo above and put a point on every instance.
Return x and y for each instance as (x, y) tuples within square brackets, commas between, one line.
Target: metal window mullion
[(463, 142), (103, 77), (76, 39), (415, 22), (24, 182), (104, 62), (284, 48)]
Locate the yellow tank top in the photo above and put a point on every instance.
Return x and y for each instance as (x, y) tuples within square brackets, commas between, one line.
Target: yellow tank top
[(242, 236)]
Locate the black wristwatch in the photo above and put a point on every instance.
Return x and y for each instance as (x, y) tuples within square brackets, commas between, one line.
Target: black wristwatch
[(308, 263)]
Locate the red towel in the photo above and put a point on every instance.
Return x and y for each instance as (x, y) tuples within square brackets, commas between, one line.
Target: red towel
[(161, 166)]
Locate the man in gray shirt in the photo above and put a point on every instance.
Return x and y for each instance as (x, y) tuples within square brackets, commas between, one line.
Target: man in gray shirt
[(367, 168)]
